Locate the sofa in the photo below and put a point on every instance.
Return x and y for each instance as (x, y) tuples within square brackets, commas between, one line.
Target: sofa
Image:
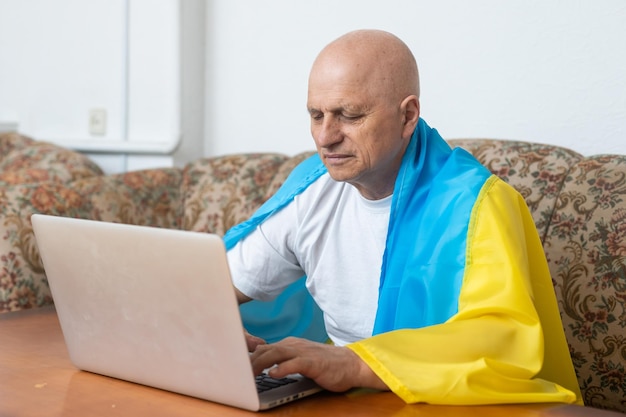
[(577, 203)]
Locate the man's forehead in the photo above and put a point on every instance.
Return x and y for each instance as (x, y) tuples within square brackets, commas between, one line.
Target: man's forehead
[(337, 106), (343, 89)]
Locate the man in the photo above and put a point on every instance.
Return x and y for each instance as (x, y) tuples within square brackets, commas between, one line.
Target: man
[(428, 269)]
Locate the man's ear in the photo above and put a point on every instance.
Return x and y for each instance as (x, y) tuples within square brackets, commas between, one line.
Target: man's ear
[(411, 108)]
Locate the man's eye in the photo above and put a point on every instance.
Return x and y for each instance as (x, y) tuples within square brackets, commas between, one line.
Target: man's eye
[(351, 117), (317, 116)]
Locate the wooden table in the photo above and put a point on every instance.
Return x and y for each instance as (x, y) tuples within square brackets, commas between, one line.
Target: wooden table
[(37, 379)]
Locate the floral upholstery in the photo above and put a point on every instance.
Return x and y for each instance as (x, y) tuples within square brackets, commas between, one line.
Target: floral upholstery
[(32, 174), (536, 171), (149, 198), (24, 160), (221, 192), (586, 248), (37, 177), (577, 203)]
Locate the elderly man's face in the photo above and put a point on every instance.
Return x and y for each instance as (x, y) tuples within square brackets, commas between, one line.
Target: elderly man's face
[(357, 131)]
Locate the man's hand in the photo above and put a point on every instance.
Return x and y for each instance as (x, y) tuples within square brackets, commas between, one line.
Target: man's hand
[(253, 341), (331, 367)]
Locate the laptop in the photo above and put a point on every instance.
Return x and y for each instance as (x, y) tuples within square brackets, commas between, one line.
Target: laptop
[(155, 307)]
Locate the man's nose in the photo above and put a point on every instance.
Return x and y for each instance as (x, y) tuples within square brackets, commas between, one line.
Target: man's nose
[(328, 132)]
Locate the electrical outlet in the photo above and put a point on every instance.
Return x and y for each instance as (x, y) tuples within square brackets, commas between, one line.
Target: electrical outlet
[(98, 122)]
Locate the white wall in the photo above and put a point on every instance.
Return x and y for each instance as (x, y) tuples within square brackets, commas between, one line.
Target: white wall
[(61, 60), (231, 75), (551, 71)]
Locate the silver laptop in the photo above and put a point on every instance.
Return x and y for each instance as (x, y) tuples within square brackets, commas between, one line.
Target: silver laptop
[(153, 306)]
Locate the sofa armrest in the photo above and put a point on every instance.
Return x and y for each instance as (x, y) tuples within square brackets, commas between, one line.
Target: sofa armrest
[(586, 250), (150, 198), (24, 160)]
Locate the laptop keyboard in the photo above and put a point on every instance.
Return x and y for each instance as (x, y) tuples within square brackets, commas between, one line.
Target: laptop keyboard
[(265, 382)]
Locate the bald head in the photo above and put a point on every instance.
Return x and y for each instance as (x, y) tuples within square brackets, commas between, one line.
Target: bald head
[(379, 61)]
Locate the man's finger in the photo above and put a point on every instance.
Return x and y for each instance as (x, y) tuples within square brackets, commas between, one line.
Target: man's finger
[(253, 342)]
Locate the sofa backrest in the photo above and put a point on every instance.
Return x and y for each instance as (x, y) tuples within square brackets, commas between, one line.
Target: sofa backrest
[(222, 191), (537, 171)]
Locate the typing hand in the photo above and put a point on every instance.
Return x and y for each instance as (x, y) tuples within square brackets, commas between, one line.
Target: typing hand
[(331, 367), (253, 342)]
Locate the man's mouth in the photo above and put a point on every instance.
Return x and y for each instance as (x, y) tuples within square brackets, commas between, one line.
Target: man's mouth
[(335, 158)]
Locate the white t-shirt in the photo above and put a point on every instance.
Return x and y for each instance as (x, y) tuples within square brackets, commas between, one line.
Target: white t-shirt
[(335, 237)]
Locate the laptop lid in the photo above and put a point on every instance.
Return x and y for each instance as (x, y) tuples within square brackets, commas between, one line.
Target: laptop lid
[(149, 305)]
